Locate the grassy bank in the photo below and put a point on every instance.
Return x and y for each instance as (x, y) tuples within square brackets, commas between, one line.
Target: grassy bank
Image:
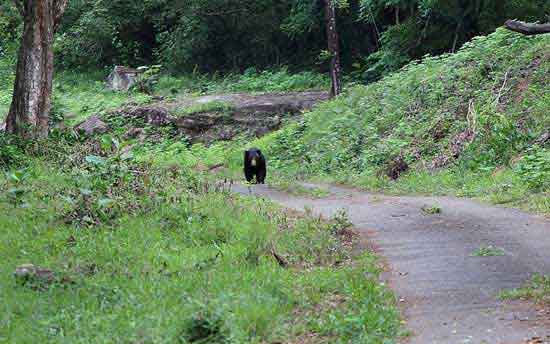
[(470, 124)]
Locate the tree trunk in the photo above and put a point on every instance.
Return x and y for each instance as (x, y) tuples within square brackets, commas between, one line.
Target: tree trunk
[(397, 15), (527, 28), (333, 48), (457, 32), (31, 104)]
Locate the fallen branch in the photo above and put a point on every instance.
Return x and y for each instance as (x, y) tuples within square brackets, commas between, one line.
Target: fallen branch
[(282, 262), (527, 28), (497, 100)]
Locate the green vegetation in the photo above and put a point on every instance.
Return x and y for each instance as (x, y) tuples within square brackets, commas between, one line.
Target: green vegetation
[(431, 210), (538, 290), (149, 251), (377, 36), (251, 81), (488, 251), (467, 124), (76, 96), (147, 246), (213, 106)]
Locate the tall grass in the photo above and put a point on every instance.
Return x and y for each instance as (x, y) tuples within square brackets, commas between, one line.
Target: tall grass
[(151, 252)]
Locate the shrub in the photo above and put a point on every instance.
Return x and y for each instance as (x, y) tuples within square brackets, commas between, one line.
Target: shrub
[(534, 168)]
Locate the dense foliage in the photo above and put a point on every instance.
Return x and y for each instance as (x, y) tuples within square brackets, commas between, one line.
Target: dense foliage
[(377, 36), (472, 123), (145, 249)]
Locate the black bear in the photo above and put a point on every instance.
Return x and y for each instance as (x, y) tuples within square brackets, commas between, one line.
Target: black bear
[(254, 165)]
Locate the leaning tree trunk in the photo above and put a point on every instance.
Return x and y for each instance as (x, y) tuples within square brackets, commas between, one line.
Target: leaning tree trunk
[(333, 48), (31, 104), (527, 28)]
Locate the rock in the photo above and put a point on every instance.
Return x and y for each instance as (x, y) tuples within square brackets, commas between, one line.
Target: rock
[(199, 121), (544, 138), (154, 115), (396, 168), (60, 125), (261, 131), (133, 133), (460, 141), (29, 273), (244, 114), (440, 161), (93, 125), (122, 78)]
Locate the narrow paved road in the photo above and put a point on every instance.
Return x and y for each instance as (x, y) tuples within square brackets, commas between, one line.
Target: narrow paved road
[(448, 296)]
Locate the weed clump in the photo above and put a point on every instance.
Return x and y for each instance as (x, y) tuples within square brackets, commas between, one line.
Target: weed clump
[(205, 327)]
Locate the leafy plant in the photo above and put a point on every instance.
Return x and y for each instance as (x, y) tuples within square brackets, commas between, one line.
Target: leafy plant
[(538, 289), (340, 222), (147, 78), (452, 130), (488, 251), (534, 168), (12, 151), (432, 210)]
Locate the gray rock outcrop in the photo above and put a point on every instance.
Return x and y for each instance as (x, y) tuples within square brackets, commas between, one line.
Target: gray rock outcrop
[(122, 78)]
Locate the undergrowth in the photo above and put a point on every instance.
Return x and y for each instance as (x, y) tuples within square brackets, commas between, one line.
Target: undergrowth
[(473, 124), (76, 96), (150, 251), (278, 80)]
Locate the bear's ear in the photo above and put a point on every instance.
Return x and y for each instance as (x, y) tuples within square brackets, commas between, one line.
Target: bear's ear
[(259, 152)]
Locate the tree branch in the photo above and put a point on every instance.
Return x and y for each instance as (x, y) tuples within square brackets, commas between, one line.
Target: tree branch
[(527, 28)]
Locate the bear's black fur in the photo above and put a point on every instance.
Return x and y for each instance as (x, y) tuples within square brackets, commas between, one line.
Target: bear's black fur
[(254, 165)]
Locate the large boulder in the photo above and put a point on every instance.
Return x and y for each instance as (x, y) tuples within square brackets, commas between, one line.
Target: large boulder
[(122, 78)]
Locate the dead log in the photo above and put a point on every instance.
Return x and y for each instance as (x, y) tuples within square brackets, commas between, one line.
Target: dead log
[(527, 28)]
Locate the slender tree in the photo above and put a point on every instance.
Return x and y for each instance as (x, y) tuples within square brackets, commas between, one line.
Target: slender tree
[(31, 103), (333, 48)]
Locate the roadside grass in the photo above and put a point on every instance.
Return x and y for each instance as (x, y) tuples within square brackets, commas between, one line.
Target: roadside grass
[(538, 290), (152, 252), (502, 185)]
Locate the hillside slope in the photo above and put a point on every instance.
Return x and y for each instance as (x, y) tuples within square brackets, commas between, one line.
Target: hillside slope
[(474, 123)]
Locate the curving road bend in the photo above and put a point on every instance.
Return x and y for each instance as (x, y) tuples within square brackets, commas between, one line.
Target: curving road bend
[(448, 296)]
